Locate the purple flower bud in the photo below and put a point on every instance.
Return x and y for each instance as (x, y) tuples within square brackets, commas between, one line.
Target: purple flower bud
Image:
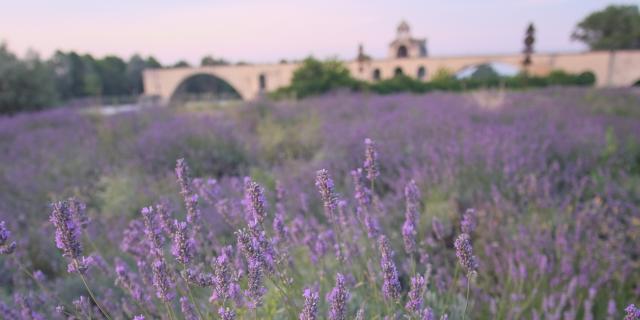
[(198, 278), (187, 309), (464, 252), (79, 212), (361, 192), (183, 245), (438, 228), (125, 279), (226, 313), (409, 228), (468, 223), (325, 186), (338, 299), (310, 309), (391, 284), (186, 190), (418, 286), (67, 234), (427, 314), (633, 312), (255, 202), (162, 280), (138, 317), (370, 159), (6, 247)]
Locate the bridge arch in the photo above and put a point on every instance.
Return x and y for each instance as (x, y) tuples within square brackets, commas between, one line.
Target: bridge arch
[(499, 67), (203, 83)]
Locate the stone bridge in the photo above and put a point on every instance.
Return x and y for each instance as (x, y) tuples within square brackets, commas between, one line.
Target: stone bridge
[(611, 68)]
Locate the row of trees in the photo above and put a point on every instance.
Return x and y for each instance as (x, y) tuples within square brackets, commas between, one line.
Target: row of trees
[(32, 83)]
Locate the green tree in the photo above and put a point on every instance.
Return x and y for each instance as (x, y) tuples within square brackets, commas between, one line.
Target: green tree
[(484, 72), (181, 64), (616, 27), (211, 61), (112, 72), (316, 77), (24, 84), (135, 67)]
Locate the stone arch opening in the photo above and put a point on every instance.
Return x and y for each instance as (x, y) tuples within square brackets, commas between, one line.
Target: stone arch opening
[(204, 87), (422, 73), (487, 70), (403, 52), (398, 71), (262, 82), (376, 74)]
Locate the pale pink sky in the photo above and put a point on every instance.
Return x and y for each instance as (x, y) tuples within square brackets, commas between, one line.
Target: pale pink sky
[(267, 31)]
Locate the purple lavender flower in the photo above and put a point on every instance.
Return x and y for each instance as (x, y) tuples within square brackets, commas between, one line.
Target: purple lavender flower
[(633, 312), (187, 309), (183, 245), (310, 308), (6, 247), (79, 212), (418, 286), (338, 299), (138, 317), (124, 279), (427, 314), (222, 278), (438, 228), (186, 190), (162, 280), (464, 252), (255, 202), (198, 278), (226, 313), (468, 223), (325, 186), (409, 227), (256, 261), (67, 235), (361, 192), (391, 285), (152, 232), (360, 314), (370, 159)]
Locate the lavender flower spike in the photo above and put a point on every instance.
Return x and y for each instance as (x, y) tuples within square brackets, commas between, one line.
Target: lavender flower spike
[(255, 202), (183, 245), (67, 235), (391, 285), (311, 299), (409, 228), (6, 247), (468, 223), (418, 286), (325, 186), (186, 190), (338, 299), (464, 252), (187, 309), (370, 159), (226, 313), (633, 312)]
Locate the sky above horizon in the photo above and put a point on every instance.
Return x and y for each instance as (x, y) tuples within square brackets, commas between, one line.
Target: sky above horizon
[(267, 31)]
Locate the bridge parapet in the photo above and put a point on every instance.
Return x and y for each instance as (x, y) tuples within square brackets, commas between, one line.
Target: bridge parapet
[(611, 68)]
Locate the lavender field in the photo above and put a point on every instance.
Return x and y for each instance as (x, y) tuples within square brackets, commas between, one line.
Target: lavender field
[(347, 206)]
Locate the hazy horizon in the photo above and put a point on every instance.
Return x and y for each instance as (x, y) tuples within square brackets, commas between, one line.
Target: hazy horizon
[(258, 32)]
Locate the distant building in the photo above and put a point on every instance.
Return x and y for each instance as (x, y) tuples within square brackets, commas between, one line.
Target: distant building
[(405, 46)]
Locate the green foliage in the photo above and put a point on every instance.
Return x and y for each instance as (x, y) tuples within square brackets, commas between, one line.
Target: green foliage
[(315, 77), (24, 84), (211, 61), (614, 28), (399, 83)]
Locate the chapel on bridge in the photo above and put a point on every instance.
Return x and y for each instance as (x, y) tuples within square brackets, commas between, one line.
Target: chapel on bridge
[(405, 46)]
